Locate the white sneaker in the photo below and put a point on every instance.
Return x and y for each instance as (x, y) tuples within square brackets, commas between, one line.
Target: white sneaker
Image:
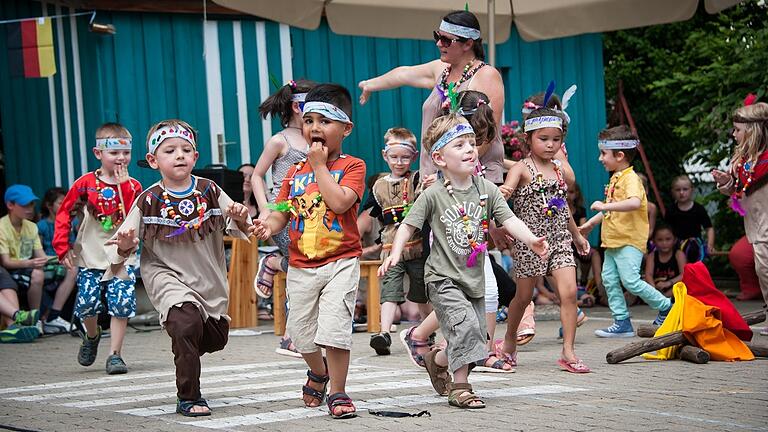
[(57, 326)]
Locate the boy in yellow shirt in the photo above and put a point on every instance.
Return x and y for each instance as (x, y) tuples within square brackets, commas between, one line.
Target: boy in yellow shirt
[(624, 215)]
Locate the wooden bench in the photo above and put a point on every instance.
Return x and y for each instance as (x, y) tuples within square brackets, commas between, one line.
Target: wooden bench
[(242, 271), (368, 271)]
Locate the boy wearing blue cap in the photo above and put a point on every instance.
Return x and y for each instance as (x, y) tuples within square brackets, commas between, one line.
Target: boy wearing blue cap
[(21, 252)]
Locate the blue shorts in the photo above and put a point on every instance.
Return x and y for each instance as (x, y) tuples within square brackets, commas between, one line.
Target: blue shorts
[(120, 294)]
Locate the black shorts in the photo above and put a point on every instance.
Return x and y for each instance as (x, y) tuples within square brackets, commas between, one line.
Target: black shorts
[(6, 281)]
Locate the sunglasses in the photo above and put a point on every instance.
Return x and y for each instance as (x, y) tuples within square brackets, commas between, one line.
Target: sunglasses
[(445, 40)]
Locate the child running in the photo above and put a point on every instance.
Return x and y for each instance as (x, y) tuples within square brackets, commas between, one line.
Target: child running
[(181, 220), (624, 215), (281, 152), (320, 197), (458, 209), (108, 193), (746, 179), (539, 197), (392, 196)]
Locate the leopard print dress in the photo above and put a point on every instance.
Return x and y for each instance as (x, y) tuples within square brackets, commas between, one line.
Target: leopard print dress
[(528, 205)]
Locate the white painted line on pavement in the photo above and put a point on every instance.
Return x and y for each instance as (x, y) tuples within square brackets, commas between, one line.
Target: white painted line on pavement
[(129, 376), (295, 394), (389, 402), (227, 389)]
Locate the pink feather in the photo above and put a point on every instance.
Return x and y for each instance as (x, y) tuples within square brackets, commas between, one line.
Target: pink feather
[(477, 250), (736, 206)]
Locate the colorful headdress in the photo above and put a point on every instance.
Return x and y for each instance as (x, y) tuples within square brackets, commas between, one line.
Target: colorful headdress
[(113, 143), (452, 133), (617, 144), (326, 110), (170, 131), (543, 122), (460, 30)]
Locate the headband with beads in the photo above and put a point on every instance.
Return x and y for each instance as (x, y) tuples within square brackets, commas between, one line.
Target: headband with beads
[(543, 122), (113, 143), (452, 133), (170, 131)]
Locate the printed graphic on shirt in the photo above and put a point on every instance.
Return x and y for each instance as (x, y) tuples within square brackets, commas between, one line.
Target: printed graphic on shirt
[(455, 228), (319, 227)]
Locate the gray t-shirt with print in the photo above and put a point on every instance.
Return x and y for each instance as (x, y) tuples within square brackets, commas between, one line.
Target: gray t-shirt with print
[(450, 247)]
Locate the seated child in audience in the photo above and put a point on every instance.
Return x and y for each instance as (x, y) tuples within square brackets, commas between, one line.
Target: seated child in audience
[(664, 266), (688, 219)]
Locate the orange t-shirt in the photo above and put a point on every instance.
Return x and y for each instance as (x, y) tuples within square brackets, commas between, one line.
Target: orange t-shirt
[(318, 235)]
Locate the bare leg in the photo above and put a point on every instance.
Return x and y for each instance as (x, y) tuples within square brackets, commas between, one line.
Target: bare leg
[(9, 304), (388, 310), (35, 293), (338, 367), (490, 322), (64, 290), (315, 362), (516, 309), (565, 283), (117, 328), (91, 326), (424, 310), (427, 327)]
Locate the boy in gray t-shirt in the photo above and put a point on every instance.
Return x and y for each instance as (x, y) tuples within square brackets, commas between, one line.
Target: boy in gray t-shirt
[(458, 209)]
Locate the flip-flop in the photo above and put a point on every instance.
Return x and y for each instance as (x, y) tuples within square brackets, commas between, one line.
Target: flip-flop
[(577, 367), (260, 281)]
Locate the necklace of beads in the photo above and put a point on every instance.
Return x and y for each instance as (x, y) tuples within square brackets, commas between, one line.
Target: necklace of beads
[(478, 245), (551, 206), (287, 205), (466, 74), (167, 209), (106, 196), (402, 209)]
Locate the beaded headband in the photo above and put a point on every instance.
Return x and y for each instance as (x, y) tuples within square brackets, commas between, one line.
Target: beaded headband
[(165, 132), (326, 110), (452, 133), (543, 122), (460, 30), (402, 144), (298, 97), (113, 143), (617, 144)]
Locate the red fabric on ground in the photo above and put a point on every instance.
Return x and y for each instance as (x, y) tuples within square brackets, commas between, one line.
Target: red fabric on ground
[(700, 285)]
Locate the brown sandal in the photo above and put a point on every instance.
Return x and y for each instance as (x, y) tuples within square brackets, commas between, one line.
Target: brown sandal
[(461, 395), (437, 374)]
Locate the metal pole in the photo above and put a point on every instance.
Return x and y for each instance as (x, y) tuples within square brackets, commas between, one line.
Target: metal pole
[(492, 32)]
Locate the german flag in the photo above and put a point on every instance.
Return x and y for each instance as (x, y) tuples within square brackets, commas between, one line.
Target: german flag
[(30, 48)]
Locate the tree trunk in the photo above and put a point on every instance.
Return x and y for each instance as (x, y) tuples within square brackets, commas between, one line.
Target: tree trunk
[(694, 354)]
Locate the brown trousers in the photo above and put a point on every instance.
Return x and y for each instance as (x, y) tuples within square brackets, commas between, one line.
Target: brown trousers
[(190, 339)]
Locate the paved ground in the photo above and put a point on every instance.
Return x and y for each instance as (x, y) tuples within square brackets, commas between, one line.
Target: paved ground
[(251, 389)]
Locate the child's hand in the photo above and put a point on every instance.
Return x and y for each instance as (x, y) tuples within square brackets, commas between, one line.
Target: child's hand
[(597, 206), (428, 180), (238, 212), (388, 263), (506, 191), (663, 285), (38, 263), (366, 93), (585, 229), (260, 230), (582, 245), (317, 155), (540, 247), (499, 237), (69, 260), (126, 241), (721, 177), (121, 174)]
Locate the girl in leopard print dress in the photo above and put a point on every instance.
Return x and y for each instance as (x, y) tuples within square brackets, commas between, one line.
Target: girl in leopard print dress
[(539, 199)]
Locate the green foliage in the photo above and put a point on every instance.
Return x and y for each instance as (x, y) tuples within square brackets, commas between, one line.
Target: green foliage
[(682, 82)]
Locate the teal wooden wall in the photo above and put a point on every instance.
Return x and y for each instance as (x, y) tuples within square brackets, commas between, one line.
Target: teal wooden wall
[(154, 68)]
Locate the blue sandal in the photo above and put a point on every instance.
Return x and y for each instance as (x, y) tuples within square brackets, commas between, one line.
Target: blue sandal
[(184, 407), (341, 400)]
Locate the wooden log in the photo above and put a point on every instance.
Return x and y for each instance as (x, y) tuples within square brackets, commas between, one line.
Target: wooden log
[(694, 354), (646, 330), (652, 344), (759, 349), (242, 271), (755, 317), (368, 270)]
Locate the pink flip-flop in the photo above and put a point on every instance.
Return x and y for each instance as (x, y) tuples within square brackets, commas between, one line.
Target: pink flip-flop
[(577, 367)]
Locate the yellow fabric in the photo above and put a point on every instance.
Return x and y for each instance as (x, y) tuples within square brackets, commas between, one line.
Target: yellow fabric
[(625, 228), (702, 326), (45, 56), (18, 245)]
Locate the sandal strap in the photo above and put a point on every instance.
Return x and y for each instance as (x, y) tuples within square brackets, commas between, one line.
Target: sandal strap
[(264, 282), (321, 379), (339, 399)]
